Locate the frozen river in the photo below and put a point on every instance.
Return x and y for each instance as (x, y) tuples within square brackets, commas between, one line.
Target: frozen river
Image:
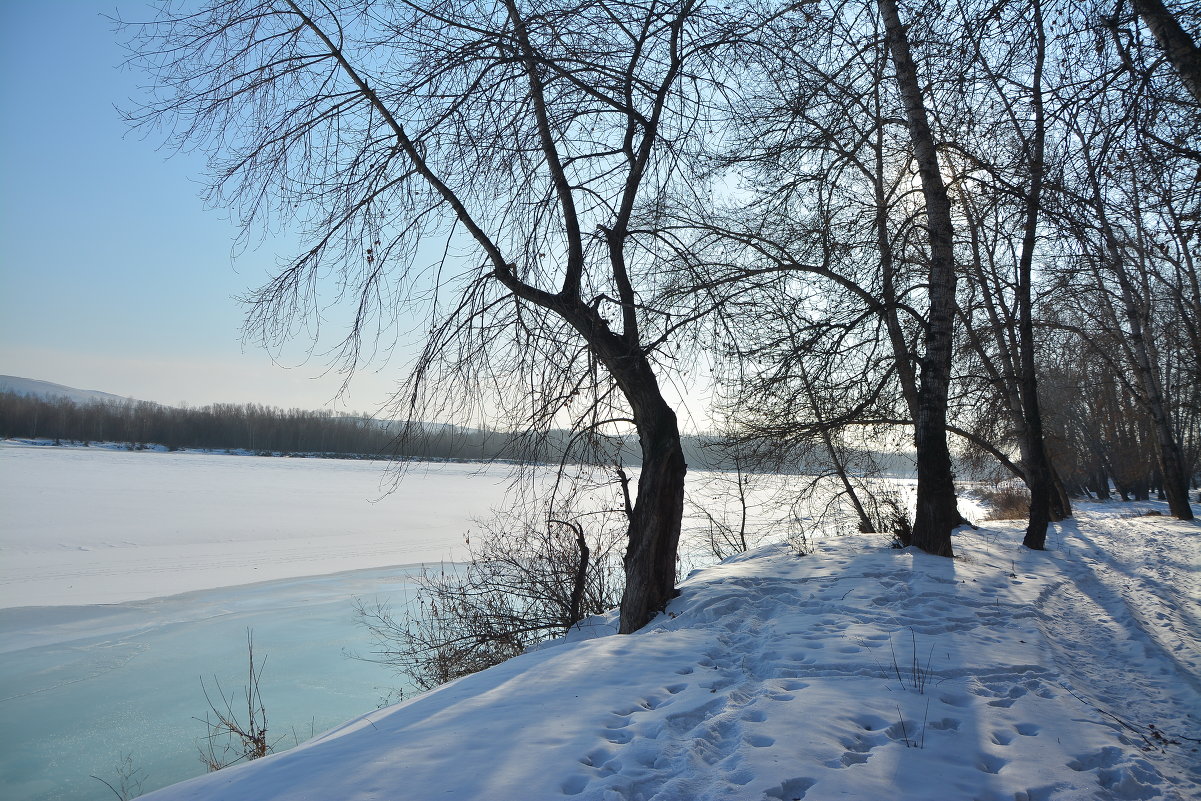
[(127, 576), (89, 526)]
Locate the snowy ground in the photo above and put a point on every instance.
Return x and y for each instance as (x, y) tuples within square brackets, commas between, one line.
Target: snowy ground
[(855, 672), (92, 525)]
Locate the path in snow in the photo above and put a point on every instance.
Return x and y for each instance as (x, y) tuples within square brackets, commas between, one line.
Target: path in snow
[(854, 672)]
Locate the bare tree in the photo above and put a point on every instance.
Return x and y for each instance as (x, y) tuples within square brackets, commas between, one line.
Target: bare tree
[(825, 273), (537, 142), (998, 175), (937, 513), (1129, 200)]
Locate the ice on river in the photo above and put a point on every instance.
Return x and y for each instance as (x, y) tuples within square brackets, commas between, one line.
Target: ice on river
[(89, 526), (127, 576)]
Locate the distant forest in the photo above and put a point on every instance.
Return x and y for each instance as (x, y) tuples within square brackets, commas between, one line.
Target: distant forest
[(267, 430)]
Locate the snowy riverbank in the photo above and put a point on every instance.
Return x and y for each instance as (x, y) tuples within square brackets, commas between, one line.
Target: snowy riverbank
[(854, 672)]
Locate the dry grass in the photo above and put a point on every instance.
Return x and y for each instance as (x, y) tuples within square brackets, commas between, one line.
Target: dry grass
[(1007, 503)]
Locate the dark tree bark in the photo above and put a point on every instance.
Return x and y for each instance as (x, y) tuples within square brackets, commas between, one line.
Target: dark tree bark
[(1141, 355), (937, 511), (654, 537), (1034, 456), (579, 584), (658, 508), (1178, 46)]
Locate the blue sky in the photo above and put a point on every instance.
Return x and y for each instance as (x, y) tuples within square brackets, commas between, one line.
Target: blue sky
[(113, 273)]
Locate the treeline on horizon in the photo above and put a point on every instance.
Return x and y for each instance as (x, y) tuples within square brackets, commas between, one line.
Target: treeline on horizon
[(1097, 438), (254, 427), (269, 430), (219, 426)]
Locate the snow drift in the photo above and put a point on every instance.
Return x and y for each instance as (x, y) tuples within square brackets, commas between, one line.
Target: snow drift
[(856, 671)]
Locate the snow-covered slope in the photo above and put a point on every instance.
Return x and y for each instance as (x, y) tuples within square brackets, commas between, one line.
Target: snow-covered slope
[(45, 389), (854, 672)]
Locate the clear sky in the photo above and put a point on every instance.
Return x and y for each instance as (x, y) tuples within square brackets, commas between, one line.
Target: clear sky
[(113, 274)]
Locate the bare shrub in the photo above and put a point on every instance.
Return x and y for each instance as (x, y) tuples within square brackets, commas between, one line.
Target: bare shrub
[(879, 507), (732, 519), (531, 575), (1006, 502), (887, 510), (127, 784), (232, 739)]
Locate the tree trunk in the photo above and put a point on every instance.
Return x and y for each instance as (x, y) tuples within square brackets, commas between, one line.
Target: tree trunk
[(658, 510), (1178, 46), (900, 349), (654, 535), (1167, 449), (1038, 468), (937, 511), (1061, 502), (1143, 358)]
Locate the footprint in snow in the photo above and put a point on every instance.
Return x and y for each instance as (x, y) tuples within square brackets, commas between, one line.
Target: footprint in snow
[(860, 747), (1105, 758), (988, 763), (1121, 775), (946, 724), (574, 785), (791, 789), (653, 702), (1002, 737), (620, 721), (955, 699)]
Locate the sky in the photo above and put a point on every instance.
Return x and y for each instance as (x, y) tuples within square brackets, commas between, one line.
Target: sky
[(114, 275)]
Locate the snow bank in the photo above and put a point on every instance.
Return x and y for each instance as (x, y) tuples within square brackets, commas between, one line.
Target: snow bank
[(854, 672)]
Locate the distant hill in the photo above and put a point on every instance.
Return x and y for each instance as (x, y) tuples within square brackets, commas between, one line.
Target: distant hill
[(46, 389)]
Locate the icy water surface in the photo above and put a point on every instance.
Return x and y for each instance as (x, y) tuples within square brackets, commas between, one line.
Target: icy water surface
[(82, 687), (109, 617)]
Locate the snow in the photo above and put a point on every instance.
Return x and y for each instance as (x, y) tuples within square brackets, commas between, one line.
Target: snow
[(856, 671), (85, 686), (98, 526), (127, 576)]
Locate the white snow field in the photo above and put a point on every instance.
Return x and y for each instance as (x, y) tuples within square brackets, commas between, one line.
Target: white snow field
[(92, 525), (855, 672)]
